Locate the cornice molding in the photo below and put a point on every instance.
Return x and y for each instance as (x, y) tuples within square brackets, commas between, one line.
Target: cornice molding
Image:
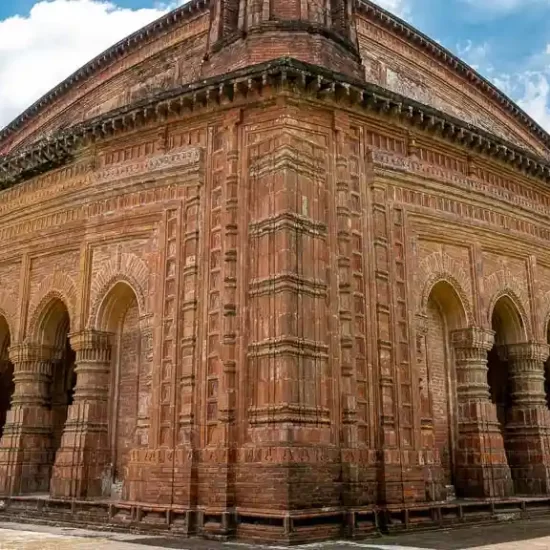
[(282, 74), (424, 42), (193, 7)]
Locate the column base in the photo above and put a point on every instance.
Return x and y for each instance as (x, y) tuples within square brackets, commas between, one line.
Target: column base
[(528, 446), (482, 469), (81, 473), (26, 454), (82, 467)]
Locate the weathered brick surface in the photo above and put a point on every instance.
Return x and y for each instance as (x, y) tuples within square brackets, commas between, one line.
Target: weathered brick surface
[(269, 308)]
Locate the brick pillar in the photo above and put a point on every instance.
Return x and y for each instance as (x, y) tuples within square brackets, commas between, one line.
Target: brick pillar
[(82, 467), (481, 467), (528, 419), (26, 454)]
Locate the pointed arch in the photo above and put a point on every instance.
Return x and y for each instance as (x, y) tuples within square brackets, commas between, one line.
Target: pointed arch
[(55, 288), (507, 319), (503, 284), (114, 305), (440, 267), (123, 268)]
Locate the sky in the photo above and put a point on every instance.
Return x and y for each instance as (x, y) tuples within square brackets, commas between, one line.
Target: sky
[(44, 41)]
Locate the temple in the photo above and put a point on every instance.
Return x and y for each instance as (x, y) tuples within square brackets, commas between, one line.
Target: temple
[(274, 270)]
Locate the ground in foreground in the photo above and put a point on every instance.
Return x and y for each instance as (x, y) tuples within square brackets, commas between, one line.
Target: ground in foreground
[(533, 534)]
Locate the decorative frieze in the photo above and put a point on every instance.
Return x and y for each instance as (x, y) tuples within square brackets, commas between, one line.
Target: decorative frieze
[(530, 202), (168, 342)]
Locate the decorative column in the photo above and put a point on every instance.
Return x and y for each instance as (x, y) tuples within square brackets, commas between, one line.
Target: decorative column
[(481, 467), (528, 419), (26, 446), (82, 466), (145, 382)]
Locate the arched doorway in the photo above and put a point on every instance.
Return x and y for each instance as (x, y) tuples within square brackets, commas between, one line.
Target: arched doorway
[(6, 373), (445, 313), (119, 315), (53, 332), (509, 329)]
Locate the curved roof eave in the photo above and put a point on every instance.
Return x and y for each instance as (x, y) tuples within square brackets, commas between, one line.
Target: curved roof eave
[(102, 60), (400, 26)]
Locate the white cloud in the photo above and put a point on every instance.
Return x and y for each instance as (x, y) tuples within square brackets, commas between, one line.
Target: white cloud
[(529, 86), (531, 91), (56, 38), (400, 8), (474, 54)]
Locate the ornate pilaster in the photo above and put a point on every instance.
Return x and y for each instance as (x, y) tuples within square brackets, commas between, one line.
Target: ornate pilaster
[(145, 382), (481, 466), (346, 268), (426, 418), (82, 466), (355, 418), (528, 419), (26, 445)]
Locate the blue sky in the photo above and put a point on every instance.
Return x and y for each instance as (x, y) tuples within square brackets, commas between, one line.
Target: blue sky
[(43, 41)]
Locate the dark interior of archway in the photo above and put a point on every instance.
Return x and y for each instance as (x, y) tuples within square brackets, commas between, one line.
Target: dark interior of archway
[(498, 384), (54, 332), (498, 368), (63, 384), (7, 385)]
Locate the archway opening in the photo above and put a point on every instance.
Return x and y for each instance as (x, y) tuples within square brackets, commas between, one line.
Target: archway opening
[(7, 385), (445, 313), (54, 332), (119, 315), (508, 326)]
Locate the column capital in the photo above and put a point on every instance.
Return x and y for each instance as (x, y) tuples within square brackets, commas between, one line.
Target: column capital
[(532, 351), (30, 351), (88, 340), (473, 338)]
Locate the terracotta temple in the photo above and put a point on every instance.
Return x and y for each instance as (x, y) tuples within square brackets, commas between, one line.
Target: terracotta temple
[(274, 270)]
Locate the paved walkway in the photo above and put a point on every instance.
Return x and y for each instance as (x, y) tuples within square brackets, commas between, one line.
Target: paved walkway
[(525, 535)]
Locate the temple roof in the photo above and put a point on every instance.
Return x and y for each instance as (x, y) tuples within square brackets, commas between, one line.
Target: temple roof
[(365, 7), (118, 50), (422, 41)]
